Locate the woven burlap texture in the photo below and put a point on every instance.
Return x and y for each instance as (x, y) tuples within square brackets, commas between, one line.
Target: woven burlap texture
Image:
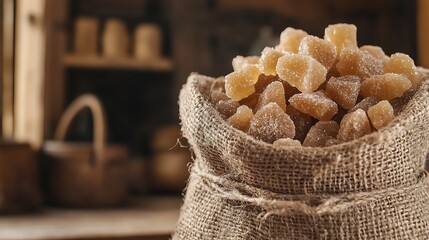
[(374, 187)]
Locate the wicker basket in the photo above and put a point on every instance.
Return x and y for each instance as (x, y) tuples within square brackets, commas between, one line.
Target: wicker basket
[(85, 174)]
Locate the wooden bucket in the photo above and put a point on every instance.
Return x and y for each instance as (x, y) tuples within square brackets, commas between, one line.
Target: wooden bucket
[(85, 174)]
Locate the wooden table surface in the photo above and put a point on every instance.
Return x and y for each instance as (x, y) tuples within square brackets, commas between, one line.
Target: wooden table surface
[(144, 218)]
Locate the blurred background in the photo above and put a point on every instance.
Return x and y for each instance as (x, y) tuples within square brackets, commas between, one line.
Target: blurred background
[(133, 56)]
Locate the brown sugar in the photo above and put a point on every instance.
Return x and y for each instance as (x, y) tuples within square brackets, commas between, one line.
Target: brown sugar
[(344, 90), (289, 90), (274, 92), (381, 114), (218, 85), (263, 82), (302, 121), (354, 125), (286, 142), (339, 116), (268, 61), (290, 40), (399, 103), (375, 51), (336, 90), (365, 104), (217, 96), (333, 72), (271, 123), (250, 101), (239, 62), (319, 49), (402, 64), (227, 107), (241, 84), (331, 141), (385, 87), (317, 105), (241, 119), (359, 63), (321, 132), (302, 72), (342, 36)]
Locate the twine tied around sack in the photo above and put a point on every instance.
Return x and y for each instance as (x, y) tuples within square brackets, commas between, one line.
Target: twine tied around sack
[(285, 204)]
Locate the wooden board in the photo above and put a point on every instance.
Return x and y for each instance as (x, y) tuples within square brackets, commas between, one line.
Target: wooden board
[(145, 218), (6, 48), (423, 32), (98, 62), (29, 71)]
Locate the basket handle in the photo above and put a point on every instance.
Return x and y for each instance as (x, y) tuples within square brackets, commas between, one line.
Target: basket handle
[(94, 105)]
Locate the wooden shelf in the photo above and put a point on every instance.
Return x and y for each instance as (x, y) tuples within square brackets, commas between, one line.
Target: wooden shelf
[(99, 62), (145, 218)]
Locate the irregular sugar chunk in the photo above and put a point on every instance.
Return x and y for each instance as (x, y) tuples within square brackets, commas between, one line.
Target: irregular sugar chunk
[(273, 93), (402, 64), (365, 104), (218, 85), (290, 39), (319, 49), (344, 90), (381, 114), (271, 123), (227, 107), (375, 51), (354, 125), (321, 132), (251, 100), (302, 72), (385, 87), (238, 86), (217, 96), (239, 62), (331, 141), (339, 116), (264, 81), (317, 105), (329, 128), (301, 120), (322, 87), (261, 84), (268, 61), (289, 90), (342, 36), (359, 63), (323, 79), (333, 72), (286, 142), (241, 119), (241, 84), (399, 103)]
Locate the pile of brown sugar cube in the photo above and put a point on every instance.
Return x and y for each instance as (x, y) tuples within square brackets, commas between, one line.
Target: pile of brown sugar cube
[(315, 92)]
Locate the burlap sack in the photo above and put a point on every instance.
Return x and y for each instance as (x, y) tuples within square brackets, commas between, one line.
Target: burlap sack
[(374, 187)]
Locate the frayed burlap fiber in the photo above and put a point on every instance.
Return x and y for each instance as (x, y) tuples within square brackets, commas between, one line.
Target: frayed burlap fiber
[(374, 187)]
